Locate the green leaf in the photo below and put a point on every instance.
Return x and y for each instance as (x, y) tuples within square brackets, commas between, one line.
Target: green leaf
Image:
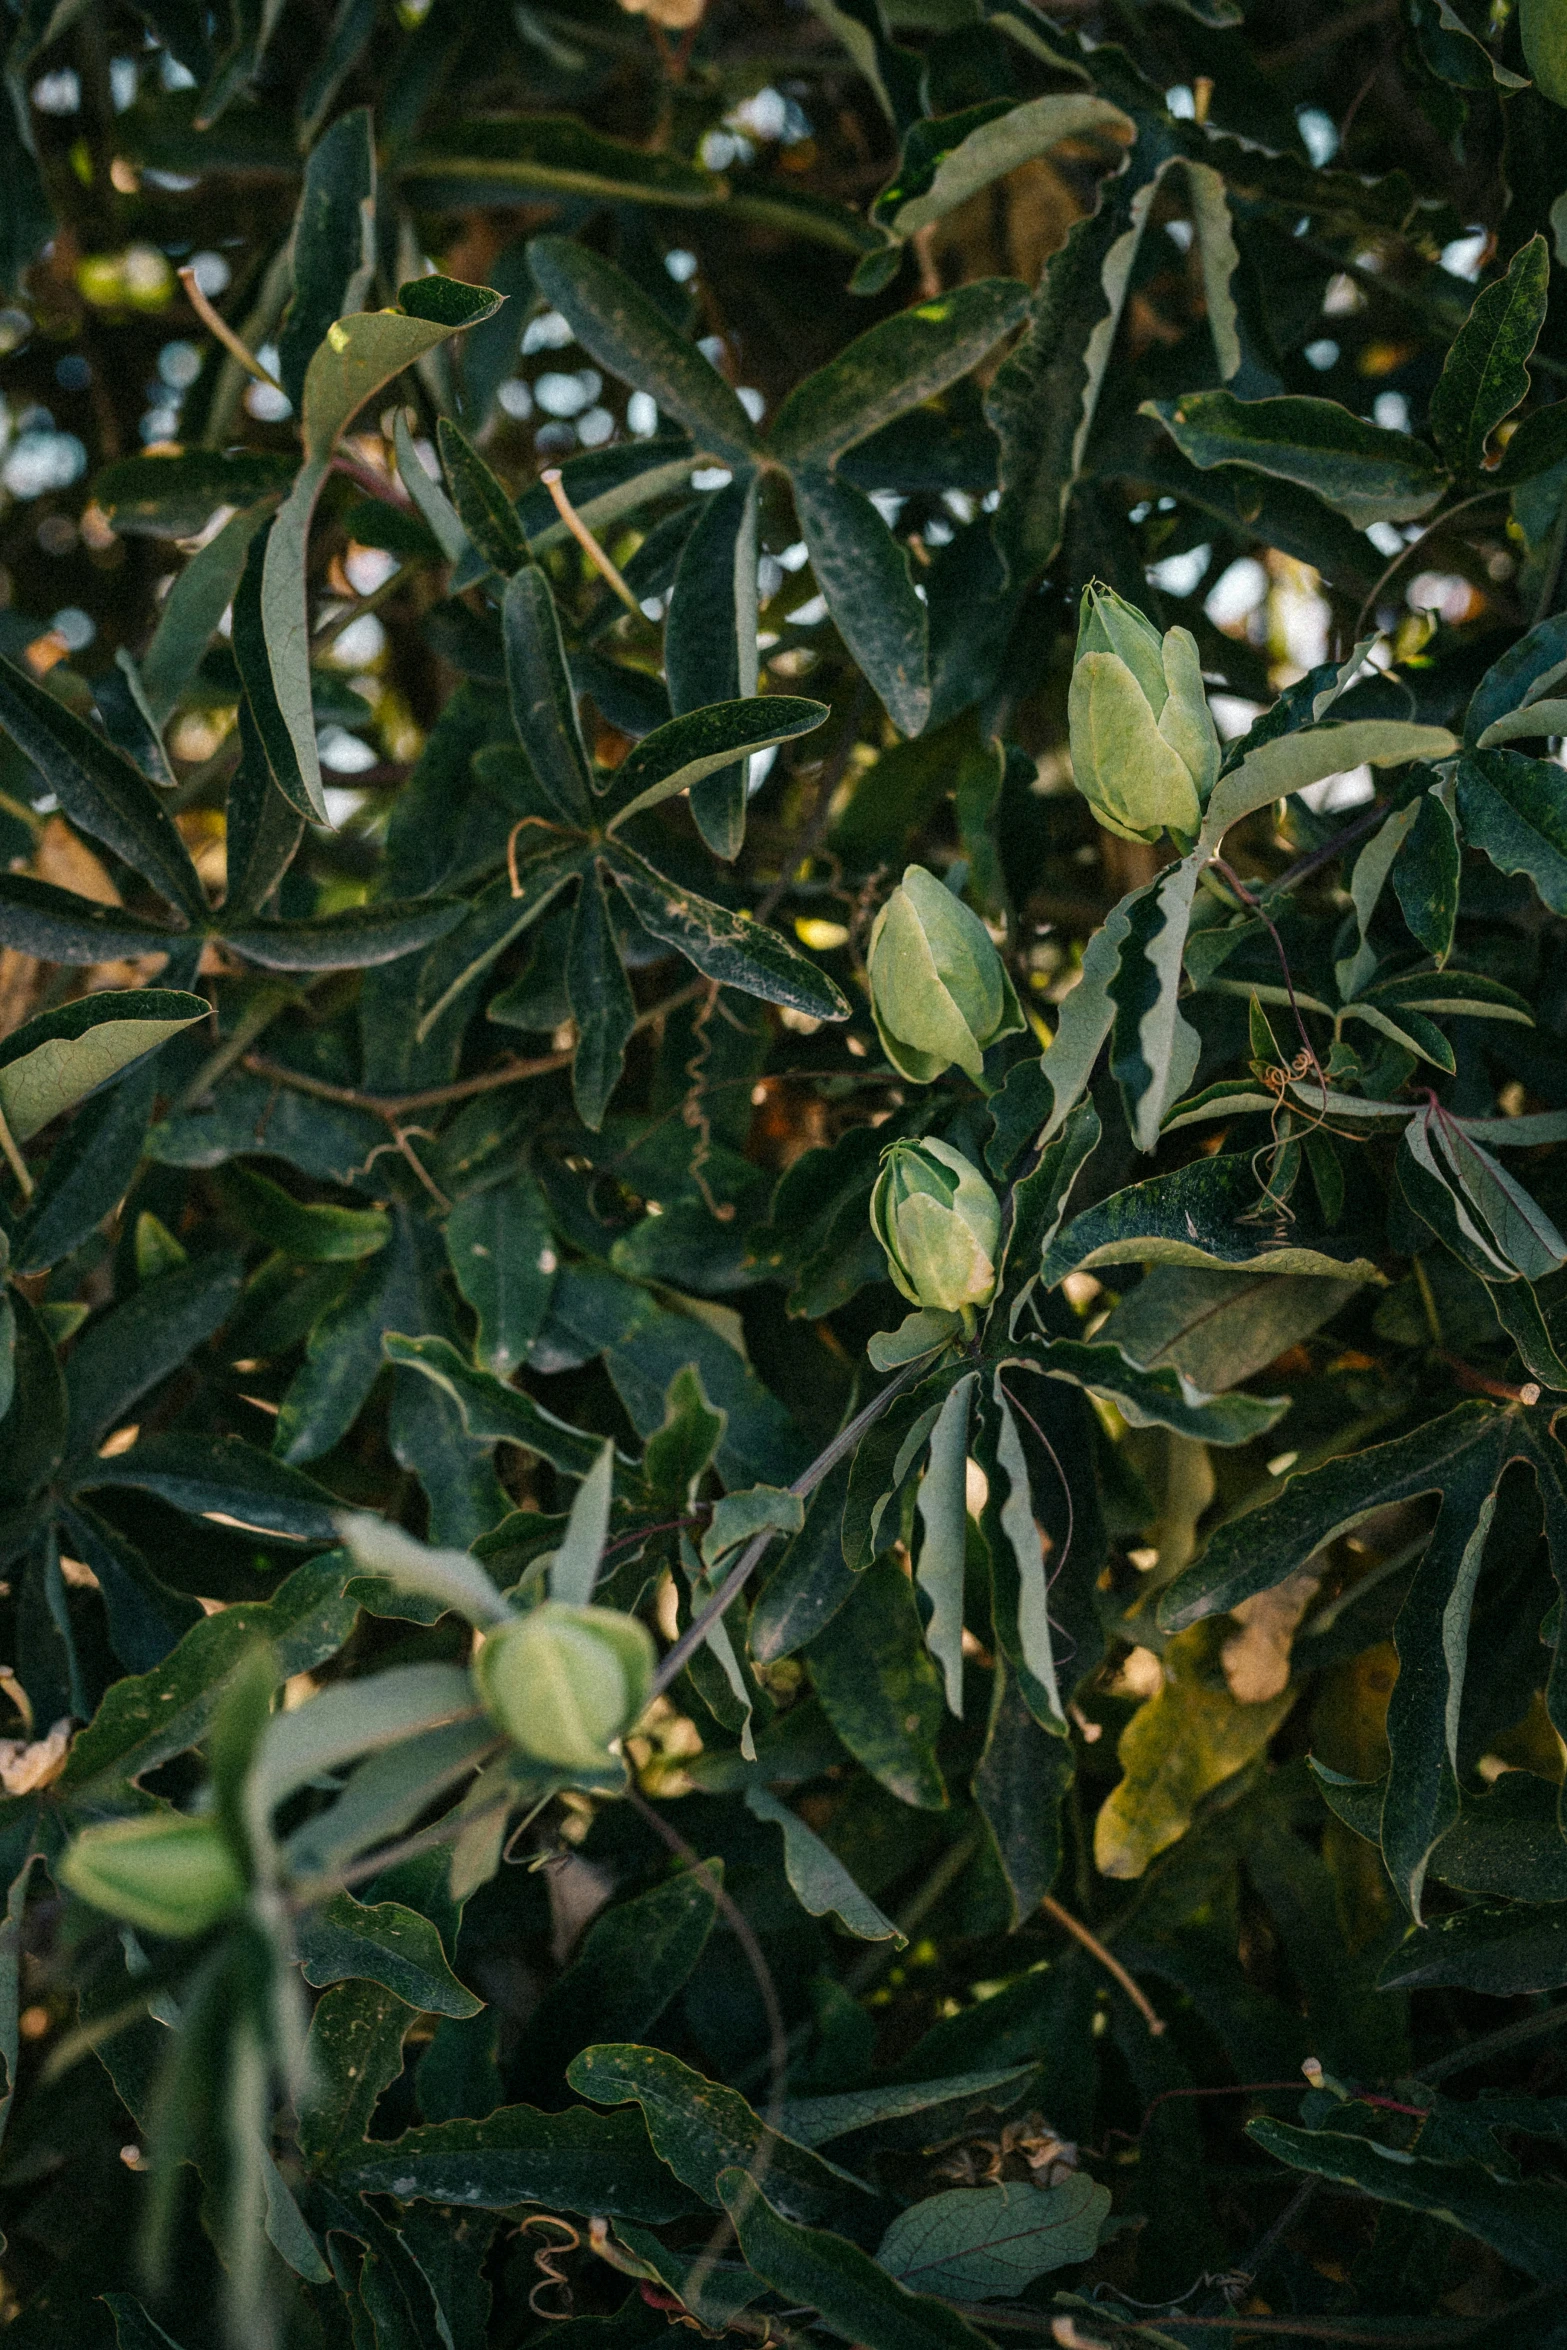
[(449, 1576), (356, 2053), (486, 513), (1510, 807), (1262, 1546), (104, 793), (543, 705), (1522, 675), (876, 1681), (634, 1959), (358, 358), (357, 939), (990, 2243), (1360, 470), (59, 927), (710, 641), (817, 2121), (943, 1513), (1219, 1328), (1020, 1783), (388, 1792), (133, 2328), (575, 1568), (899, 363), (1162, 1398), (1504, 1949), (1204, 1215), (676, 757), (734, 949), (817, 1877), (1523, 2220), (1426, 873), (1291, 762), (175, 495), (864, 573), (1014, 1524), (222, 1478), (1177, 1747), (852, 2295), (380, 1942), (147, 1718), (1154, 1049), (503, 1259), (333, 243), (194, 606), (576, 2161), (625, 331), (494, 159), (941, 170), (343, 1723), (492, 1412), (601, 1001), (699, 2127), (310, 1235), (1486, 372), (137, 1343)]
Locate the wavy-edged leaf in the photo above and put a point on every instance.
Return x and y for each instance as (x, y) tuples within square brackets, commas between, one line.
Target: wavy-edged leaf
[(944, 163), (574, 2161), (1205, 1214), (877, 1683), (1165, 1397), (699, 2127), (863, 572), (356, 939), (333, 243), (1154, 1048), (492, 1412), (494, 159), (175, 495), (625, 331), (1523, 2220), (894, 366), (358, 358), (943, 1510), (811, 2268), (57, 1059), (1511, 807), (731, 948), (342, 1940), (601, 1002), (1290, 762), (377, 1547), (817, 1877), (1362, 471), (1486, 372), (194, 606), (104, 793)]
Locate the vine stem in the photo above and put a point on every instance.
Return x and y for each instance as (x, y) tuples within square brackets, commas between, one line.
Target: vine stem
[(1440, 522), (219, 326), (14, 1159), (585, 539), (1108, 1960), (751, 1557)]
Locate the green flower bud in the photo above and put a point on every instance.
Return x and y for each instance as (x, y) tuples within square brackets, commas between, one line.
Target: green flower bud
[(565, 1682), (1145, 754), (939, 1222), (939, 990), (165, 1872)]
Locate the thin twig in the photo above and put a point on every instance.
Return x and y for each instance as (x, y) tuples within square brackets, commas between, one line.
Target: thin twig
[(751, 1557), (224, 332), (1111, 1964), (1431, 528), (579, 530), (1502, 2043), (14, 1159)]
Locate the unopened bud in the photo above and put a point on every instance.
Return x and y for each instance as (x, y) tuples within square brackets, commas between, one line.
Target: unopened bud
[(566, 1682), (939, 990), (1145, 754), (164, 1873), (940, 1224)]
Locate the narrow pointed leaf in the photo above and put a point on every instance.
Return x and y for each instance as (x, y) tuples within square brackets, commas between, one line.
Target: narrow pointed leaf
[(730, 948)]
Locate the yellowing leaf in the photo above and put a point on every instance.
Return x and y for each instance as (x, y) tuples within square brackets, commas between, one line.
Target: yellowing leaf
[(1175, 1750), (62, 1056)]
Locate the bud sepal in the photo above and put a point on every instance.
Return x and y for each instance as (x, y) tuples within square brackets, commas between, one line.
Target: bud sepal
[(566, 1683), (163, 1872), (1145, 751), (940, 1224), (940, 993)]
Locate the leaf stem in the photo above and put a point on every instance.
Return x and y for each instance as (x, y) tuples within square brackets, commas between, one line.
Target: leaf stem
[(1107, 1959), (1439, 522), (579, 530), (225, 334), (14, 1159)]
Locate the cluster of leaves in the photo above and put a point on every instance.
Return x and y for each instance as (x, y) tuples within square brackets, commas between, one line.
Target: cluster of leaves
[(1092, 1766)]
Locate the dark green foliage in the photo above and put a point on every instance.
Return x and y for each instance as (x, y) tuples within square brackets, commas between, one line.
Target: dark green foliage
[(720, 1781)]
